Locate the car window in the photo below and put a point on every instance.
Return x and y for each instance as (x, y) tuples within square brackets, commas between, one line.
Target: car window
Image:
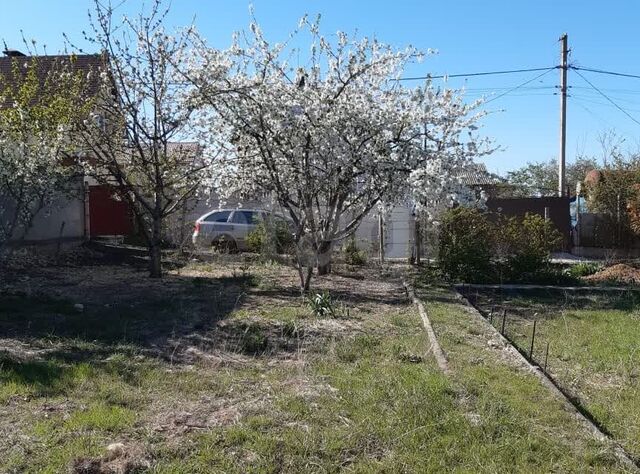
[(221, 216), (245, 217)]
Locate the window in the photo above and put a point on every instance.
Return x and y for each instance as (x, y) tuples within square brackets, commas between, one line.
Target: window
[(245, 217), (222, 216)]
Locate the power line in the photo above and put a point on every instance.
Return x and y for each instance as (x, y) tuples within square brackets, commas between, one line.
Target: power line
[(608, 89), (473, 74), (519, 86), (592, 99), (590, 112), (490, 89), (608, 99), (602, 71)]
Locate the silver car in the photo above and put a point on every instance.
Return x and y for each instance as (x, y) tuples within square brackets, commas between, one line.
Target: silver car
[(227, 229)]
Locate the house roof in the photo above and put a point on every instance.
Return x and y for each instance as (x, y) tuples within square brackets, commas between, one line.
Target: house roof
[(183, 147), (477, 175), (84, 63)]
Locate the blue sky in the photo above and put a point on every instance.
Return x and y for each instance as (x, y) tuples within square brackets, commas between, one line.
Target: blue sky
[(470, 36)]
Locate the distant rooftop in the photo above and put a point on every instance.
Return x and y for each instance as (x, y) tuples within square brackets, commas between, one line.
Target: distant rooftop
[(477, 175), (45, 64)]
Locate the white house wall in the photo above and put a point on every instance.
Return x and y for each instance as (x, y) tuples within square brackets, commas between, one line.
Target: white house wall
[(398, 233), (398, 225), (47, 224)]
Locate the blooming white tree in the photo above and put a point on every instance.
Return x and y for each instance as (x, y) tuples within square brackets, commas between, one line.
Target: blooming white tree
[(133, 139), (331, 139), (38, 106), (449, 148)]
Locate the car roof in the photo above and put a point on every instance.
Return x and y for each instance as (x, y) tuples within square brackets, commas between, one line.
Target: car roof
[(241, 209), (238, 209)]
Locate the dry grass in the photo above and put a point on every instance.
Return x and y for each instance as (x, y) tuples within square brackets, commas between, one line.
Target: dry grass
[(222, 367)]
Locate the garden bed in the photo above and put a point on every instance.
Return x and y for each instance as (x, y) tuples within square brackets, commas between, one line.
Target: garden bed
[(588, 342)]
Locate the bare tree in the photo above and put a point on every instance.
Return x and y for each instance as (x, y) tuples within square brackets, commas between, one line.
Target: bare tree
[(143, 112)]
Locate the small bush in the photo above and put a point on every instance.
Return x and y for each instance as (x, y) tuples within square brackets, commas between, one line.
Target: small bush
[(254, 340), (528, 243), (269, 237), (322, 304), (465, 249), (583, 269), (474, 248), (353, 255)]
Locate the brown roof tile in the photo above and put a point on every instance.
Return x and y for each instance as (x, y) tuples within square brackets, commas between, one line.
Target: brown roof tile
[(81, 62)]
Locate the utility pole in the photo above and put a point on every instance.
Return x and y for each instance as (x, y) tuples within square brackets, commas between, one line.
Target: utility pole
[(563, 114)]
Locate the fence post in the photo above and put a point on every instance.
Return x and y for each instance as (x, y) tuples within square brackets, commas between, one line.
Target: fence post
[(381, 237), (578, 223), (546, 213), (546, 357), (59, 243), (533, 338), (504, 320)]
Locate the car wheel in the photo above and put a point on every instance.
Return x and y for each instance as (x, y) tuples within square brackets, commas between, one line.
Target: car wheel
[(225, 244)]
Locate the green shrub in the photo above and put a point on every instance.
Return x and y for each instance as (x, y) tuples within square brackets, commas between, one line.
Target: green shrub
[(474, 248), (322, 304), (465, 247), (528, 243), (269, 237), (583, 269), (353, 255)]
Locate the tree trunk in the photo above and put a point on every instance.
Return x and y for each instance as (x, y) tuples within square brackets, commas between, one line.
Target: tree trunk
[(307, 281), (324, 258), (418, 241), (155, 249)]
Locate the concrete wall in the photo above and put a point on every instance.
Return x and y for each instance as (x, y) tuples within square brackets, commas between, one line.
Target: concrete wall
[(398, 226), (558, 208), (398, 233), (48, 224), (601, 230)]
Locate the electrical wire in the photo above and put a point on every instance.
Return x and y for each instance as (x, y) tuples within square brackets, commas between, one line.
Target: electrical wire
[(594, 115), (608, 98), (591, 99), (490, 89), (610, 90), (602, 71), (473, 74), (518, 86)]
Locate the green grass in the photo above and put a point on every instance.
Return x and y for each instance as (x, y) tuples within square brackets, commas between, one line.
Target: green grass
[(520, 419), (282, 314), (594, 354), (284, 392)]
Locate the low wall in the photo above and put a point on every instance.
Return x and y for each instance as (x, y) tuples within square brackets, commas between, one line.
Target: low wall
[(63, 219), (601, 230), (605, 253), (558, 211)]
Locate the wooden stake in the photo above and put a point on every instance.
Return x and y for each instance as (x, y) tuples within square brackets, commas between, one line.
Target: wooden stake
[(546, 357), (533, 338)]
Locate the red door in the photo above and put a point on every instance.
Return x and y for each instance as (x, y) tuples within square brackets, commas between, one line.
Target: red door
[(108, 215)]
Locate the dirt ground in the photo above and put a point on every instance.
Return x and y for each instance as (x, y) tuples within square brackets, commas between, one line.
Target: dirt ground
[(231, 317), (619, 274)]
